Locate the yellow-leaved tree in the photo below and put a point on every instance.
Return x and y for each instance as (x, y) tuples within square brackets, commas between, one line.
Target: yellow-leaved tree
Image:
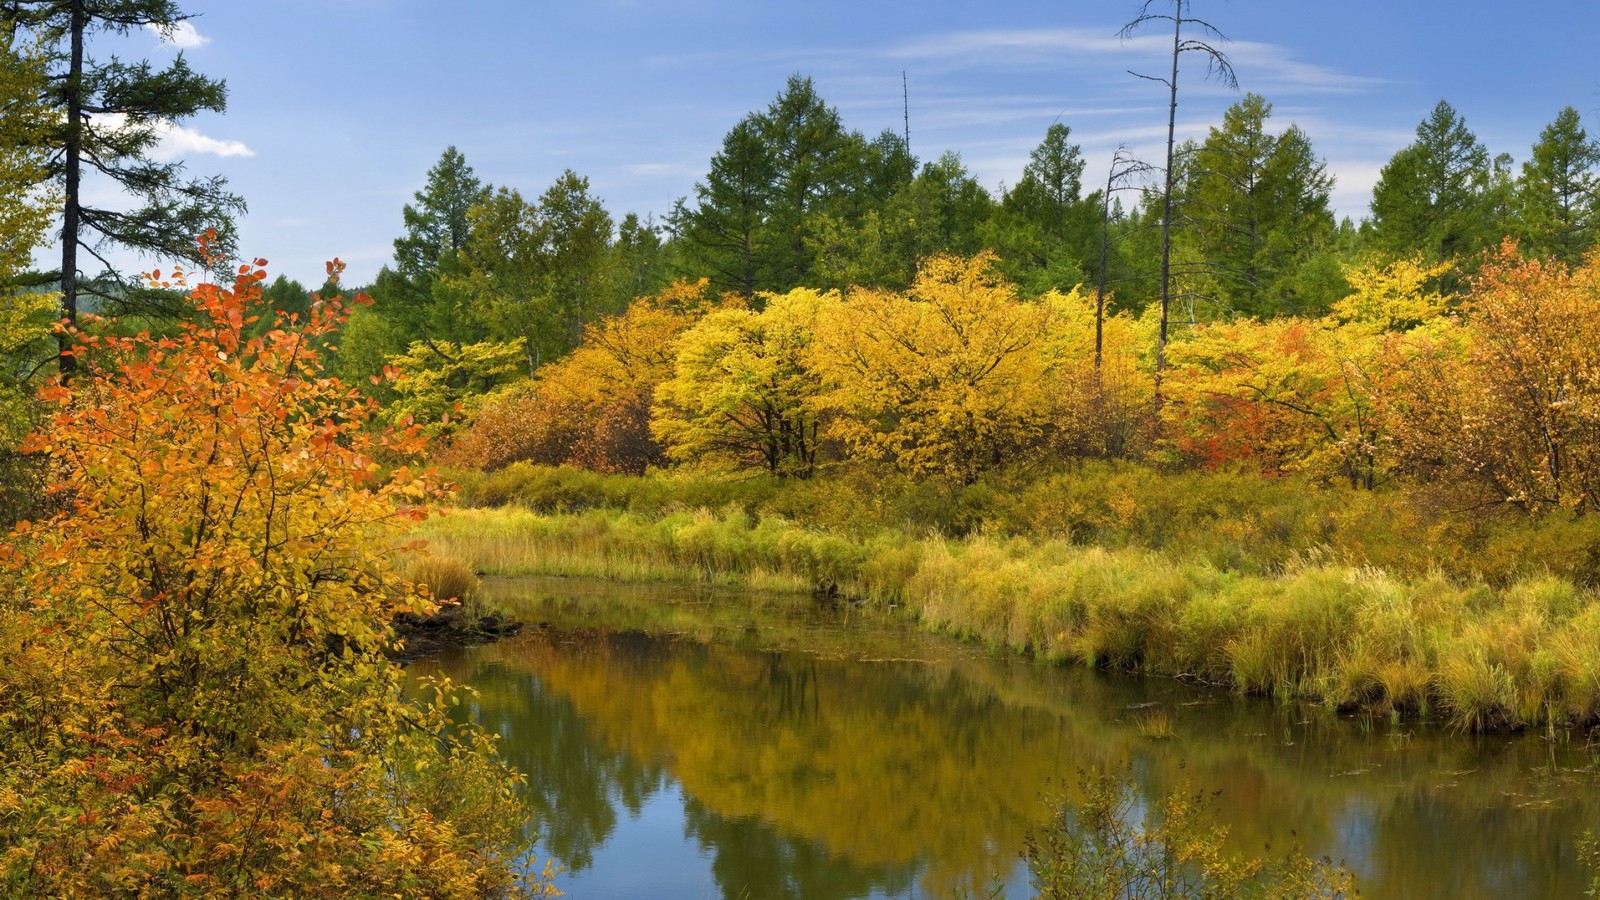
[(196, 699), (1282, 395), (1096, 410), (591, 408), (1394, 296), (943, 380), (744, 394)]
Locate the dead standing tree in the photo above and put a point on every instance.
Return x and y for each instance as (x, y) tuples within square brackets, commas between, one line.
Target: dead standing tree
[(1123, 166), (1217, 65)]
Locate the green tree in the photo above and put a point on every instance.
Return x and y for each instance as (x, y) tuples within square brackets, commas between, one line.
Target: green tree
[(1558, 196), (813, 170), (1044, 228), (780, 176), (1257, 205), (412, 294), (639, 260), (725, 235), (943, 210), (107, 118), (1434, 196), (536, 273)]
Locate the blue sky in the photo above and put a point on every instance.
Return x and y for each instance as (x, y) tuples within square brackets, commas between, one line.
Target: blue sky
[(337, 108)]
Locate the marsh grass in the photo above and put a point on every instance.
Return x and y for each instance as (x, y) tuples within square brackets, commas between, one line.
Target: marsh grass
[(1314, 622), (1155, 724)]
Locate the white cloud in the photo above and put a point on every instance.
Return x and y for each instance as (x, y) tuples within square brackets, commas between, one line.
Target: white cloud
[(178, 141), (1278, 70), (182, 35), (174, 141), (1270, 66), (1017, 46)]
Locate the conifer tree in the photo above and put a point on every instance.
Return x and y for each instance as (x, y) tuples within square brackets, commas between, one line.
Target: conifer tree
[(108, 117), (1258, 205), (1433, 195), (1558, 196)]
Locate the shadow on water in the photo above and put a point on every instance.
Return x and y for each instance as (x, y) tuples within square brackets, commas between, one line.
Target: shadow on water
[(758, 747)]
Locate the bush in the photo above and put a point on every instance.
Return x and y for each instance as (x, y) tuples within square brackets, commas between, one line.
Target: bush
[(195, 700)]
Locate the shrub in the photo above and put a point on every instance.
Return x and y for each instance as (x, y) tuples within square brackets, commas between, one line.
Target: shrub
[(195, 700)]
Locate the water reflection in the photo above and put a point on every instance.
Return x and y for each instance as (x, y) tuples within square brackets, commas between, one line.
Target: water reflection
[(910, 767)]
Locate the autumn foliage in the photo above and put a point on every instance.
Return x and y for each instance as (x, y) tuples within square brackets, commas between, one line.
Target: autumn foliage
[(1512, 404), (195, 699), (592, 408)]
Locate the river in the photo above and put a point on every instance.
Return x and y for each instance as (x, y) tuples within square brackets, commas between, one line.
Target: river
[(679, 745)]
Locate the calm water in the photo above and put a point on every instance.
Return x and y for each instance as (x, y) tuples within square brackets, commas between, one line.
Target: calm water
[(752, 748)]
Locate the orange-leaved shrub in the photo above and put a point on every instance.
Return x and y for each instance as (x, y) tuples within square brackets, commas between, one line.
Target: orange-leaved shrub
[(195, 699)]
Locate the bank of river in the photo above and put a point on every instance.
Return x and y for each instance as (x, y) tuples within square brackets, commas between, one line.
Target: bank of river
[(748, 746)]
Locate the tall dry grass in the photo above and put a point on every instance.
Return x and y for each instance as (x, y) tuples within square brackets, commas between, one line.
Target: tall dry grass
[(1484, 657)]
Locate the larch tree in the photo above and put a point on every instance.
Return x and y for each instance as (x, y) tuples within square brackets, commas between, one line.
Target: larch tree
[(725, 233), (107, 119), (1432, 196), (1044, 227), (783, 175), (538, 272), (1558, 196), (436, 232), (1257, 204)]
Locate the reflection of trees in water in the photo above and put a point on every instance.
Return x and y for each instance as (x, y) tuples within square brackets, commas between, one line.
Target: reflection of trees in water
[(752, 859), (882, 767), (575, 782), (871, 773)]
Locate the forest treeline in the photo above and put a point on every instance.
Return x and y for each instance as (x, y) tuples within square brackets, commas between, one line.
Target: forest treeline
[(827, 299)]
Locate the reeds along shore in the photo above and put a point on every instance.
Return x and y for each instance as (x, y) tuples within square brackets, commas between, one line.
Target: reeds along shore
[(1236, 581)]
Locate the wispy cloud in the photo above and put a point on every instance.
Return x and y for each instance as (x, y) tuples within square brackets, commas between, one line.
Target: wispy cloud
[(659, 169), (1018, 46), (1271, 68), (1264, 66), (182, 35)]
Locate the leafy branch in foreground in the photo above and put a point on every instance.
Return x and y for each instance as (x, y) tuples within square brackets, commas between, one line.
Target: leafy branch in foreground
[(1115, 845)]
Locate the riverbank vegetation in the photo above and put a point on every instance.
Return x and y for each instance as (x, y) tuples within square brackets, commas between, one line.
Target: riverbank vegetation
[(1279, 600), (196, 699)]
